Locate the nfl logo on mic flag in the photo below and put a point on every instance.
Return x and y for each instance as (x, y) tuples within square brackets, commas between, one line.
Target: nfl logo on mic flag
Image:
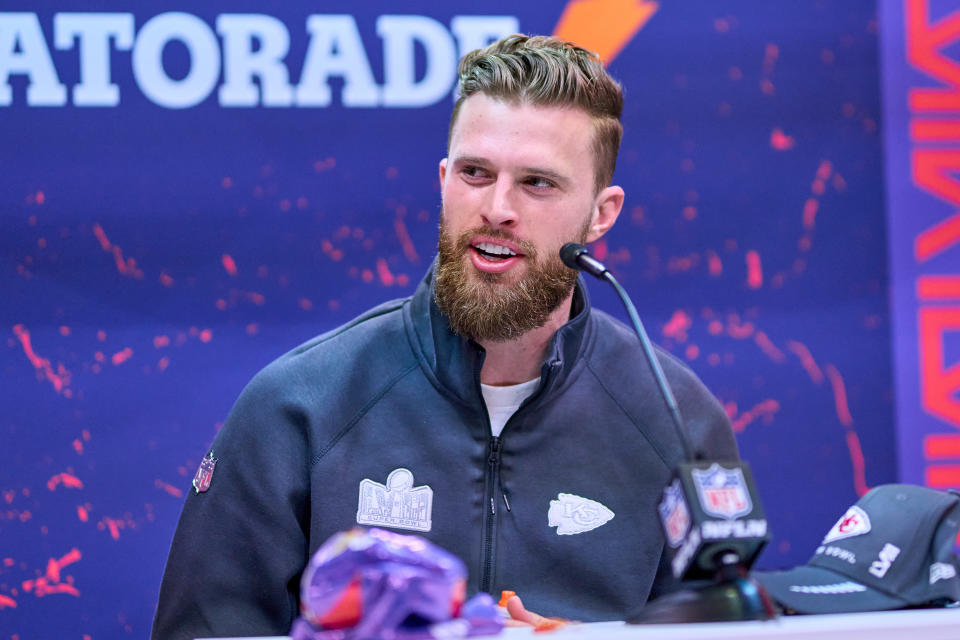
[(708, 510)]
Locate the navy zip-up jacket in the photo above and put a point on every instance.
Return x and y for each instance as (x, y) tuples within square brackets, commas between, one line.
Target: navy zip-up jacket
[(307, 450)]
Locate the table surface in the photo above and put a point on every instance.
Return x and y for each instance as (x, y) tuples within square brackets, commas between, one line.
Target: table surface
[(922, 624)]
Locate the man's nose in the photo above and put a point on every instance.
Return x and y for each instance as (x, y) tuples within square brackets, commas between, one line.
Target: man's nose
[(501, 210)]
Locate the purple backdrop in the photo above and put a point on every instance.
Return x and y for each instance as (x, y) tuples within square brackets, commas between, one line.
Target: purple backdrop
[(161, 243)]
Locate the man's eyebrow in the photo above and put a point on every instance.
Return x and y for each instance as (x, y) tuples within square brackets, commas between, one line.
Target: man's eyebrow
[(540, 171), (546, 173), (470, 160)]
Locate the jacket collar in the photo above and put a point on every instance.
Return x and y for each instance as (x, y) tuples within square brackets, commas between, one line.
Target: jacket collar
[(454, 362)]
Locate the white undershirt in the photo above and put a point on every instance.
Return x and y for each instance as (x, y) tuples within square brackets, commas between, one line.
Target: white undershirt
[(503, 402)]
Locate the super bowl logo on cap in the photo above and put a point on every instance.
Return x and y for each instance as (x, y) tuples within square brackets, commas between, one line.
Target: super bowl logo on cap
[(722, 492), (201, 481), (855, 522), (942, 571)]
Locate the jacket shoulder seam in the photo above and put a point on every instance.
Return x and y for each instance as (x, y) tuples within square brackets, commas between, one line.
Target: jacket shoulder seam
[(350, 325), (626, 413), (359, 415)]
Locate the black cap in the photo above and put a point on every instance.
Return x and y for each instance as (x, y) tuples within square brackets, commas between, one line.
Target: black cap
[(893, 549)]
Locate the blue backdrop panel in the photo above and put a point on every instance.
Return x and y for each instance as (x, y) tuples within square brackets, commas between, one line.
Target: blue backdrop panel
[(922, 157), (154, 257)]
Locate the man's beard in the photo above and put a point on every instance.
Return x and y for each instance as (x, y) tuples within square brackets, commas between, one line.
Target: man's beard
[(485, 306)]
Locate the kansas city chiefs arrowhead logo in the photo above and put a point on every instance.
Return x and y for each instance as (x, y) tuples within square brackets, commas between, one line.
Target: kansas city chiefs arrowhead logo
[(571, 514), (855, 522)]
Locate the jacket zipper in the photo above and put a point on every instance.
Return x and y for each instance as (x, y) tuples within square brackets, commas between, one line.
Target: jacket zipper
[(490, 517)]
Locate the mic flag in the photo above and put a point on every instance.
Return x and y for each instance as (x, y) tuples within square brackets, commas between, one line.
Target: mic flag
[(711, 517)]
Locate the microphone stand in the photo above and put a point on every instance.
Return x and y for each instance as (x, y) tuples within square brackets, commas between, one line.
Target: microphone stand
[(710, 542)]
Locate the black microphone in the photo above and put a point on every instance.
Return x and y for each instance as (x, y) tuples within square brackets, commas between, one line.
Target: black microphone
[(578, 258), (710, 511)]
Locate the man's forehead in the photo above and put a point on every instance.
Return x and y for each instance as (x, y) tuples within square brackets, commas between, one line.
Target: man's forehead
[(483, 105), (534, 136)]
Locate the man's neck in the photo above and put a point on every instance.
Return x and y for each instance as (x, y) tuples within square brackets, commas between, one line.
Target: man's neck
[(516, 361)]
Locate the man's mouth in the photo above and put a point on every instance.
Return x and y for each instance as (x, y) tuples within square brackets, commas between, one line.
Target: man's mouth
[(493, 252), (491, 255)]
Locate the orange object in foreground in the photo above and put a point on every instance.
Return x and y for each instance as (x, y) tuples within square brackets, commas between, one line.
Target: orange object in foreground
[(549, 624), (519, 614)]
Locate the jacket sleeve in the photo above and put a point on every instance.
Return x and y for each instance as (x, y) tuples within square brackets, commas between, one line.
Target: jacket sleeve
[(705, 419), (240, 547)]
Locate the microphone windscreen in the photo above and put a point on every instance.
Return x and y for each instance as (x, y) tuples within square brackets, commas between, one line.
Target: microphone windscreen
[(569, 254)]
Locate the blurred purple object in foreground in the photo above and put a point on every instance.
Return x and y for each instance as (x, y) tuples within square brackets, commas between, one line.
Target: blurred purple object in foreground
[(376, 584)]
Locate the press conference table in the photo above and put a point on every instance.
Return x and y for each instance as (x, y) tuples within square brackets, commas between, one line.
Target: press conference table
[(917, 624)]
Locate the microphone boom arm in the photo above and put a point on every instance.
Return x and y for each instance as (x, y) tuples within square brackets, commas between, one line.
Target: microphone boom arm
[(688, 451)]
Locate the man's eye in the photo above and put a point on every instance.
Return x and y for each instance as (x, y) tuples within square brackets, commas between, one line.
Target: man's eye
[(540, 183), (474, 172)]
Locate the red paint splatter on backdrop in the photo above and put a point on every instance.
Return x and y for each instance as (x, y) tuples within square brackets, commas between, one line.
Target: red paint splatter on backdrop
[(113, 525), (754, 270), (409, 250), (738, 330), (121, 356), (383, 271), (50, 582), (840, 396), (780, 141), (69, 481), (810, 212), (678, 325), (714, 264), (228, 264), (806, 359), (125, 266), (60, 379), (764, 410), (846, 419), (768, 347), (169, 488), (599, 249)]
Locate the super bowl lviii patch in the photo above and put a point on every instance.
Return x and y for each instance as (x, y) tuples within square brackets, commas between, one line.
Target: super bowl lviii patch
[(397, 503)]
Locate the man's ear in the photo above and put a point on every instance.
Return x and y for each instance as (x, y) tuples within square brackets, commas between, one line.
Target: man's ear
[(606, 210), (443, 172)]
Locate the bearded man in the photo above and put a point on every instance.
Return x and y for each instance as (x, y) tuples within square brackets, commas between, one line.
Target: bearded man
[(493, 412)]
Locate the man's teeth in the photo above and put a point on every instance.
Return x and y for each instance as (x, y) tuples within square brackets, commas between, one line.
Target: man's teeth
[(494, 249)]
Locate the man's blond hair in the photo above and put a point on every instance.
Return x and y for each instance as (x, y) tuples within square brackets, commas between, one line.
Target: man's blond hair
[(546, 71)]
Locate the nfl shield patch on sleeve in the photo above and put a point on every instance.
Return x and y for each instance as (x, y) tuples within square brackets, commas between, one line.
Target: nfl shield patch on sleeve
[(201, 481)]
